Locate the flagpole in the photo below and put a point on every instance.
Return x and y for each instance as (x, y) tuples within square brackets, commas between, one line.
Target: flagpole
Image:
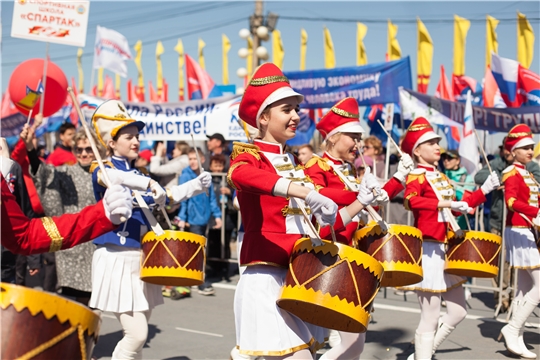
[(482, 149), (92, 78), (44, 80)]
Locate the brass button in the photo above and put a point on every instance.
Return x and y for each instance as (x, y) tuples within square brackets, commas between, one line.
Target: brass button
[(286, 158), (291, 174), (303, 184)]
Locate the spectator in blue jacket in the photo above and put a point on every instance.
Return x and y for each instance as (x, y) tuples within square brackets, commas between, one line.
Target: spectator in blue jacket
[(195, 212)]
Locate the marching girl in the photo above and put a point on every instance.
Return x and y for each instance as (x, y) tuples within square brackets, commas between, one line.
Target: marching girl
[(271, 188), (521, 197), (116, 285), (334, 175), (427, 194)]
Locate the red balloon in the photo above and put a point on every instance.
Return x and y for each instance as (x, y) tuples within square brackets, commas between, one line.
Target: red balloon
[(29, 73)]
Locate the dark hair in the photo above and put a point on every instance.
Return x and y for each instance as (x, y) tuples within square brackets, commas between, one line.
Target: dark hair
[(220, 158), (66, 126)]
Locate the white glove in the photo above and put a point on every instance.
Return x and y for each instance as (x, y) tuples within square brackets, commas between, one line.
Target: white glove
[(365, 196), (205, 179), (129, 179), (159, 194), (370, 181), (117, 203), (324, 209), (5, 166), (405, 166), (491, 183), (460, 206), (382, 198)]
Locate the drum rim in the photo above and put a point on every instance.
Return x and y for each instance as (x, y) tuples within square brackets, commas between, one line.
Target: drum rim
[(344, 251), (21, 297), (487, 236), (371, 227), (174, 236)]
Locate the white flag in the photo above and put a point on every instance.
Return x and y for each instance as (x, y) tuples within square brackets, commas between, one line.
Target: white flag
[(111, 50), (468, 146)]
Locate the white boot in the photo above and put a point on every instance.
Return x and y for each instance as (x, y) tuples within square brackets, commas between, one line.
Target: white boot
[(333, 338), (511, 332), (235, 355), (441, 335), (122, 354), (423, 346)]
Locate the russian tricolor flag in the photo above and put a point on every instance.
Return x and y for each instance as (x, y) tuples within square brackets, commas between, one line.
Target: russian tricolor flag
[(506, 74), (200, 85)]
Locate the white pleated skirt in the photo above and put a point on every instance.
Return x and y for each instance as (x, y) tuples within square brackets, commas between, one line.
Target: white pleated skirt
[(435, 279), (521, 250), (116, 283), (262, 328)]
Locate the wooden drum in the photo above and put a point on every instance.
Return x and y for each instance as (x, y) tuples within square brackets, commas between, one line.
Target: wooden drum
[(40, 325), (399, 250), (332, 285), (474, 254), (176, 258)]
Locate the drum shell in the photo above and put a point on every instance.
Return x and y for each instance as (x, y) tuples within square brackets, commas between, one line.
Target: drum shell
[(332, 285), (398, 249), (176, 258), (475, 254), (40, 325)]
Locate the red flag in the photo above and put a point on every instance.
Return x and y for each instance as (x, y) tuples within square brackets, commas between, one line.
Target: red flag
[(444, 90), (129, 89), (73, 115), (94, 91), (153, 95), (491, 92), (200, 85), (108, 89), (165, 92)]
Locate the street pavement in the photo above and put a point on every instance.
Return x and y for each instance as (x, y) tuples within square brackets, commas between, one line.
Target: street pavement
[(202, 327)]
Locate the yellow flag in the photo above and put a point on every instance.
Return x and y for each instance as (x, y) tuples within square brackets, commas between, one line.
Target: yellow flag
[(226, 44), (80, 69), (525, 41), (159, 69), (249, 59), (201, 55), (361, 56), (100, 82), (303, 49), (329, 55), (393, 51), (138, 58), (491, 38), (536, 151), (179, 48), (425, 57), (278, 53), (117, 83), (461, 27)]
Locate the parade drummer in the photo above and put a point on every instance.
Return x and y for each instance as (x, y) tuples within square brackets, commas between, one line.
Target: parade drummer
[(269, 180), (116, 285), (335, 177), (428, 193), (24, 236), (521, 197)]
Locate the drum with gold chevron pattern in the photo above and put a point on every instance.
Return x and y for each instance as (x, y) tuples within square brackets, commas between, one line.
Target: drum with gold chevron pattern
[(398, 249), (41, 325), (473, 254), (332, 285), (176, 258)]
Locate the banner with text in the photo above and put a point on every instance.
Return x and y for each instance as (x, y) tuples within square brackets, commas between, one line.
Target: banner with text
[(369, 84), (444, 112), (177, 121)]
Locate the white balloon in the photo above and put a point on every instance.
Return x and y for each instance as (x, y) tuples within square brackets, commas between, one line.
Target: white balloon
[(262, 32), (243, 53), (241, 72), (262, 53), (244, 33)]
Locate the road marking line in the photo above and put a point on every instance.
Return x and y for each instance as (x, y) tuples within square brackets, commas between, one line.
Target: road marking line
[(108, 316), (224, 286), (199, 332)]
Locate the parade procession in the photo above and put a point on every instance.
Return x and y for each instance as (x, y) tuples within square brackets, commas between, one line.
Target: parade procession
[(331, 210)]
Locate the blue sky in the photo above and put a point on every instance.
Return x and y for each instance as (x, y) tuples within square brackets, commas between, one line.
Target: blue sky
[(170, 20)]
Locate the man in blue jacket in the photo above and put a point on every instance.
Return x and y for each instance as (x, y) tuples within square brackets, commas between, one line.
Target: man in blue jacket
[(196, 211)]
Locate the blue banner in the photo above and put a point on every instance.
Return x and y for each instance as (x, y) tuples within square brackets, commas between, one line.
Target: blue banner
[(369, 84)]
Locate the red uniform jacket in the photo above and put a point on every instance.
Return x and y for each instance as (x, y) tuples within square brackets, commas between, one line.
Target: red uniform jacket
[(421, 199), (520, 195), (272, 224), (61, 156), (21, 235), (329, 184)]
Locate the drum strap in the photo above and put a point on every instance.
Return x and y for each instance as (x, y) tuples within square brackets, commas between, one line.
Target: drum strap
[(148, 214), (448, 214)]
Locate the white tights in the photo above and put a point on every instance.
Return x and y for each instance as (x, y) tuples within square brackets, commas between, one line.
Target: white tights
[(135, 327), (430, 307), (528, 284), (350, 347), (304, 354)]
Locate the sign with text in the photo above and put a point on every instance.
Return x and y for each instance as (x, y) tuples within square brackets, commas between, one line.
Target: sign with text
[(61, 22)]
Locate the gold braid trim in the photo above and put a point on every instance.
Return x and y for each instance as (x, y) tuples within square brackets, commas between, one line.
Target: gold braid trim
[(406, 200), (229, 173), (344, 113), (284, 167), (412, 177), (95, 165), (508, 174), (268, 80), (294, 211), (419, 127), (54, 234), (241, 148), (317, 160), (511, 202), (519, 134)]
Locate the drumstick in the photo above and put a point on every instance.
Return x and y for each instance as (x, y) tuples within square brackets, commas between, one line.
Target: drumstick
[(166, 218), (198, 159), (92, 142), (483, 152), (467, 220), (390, 137)]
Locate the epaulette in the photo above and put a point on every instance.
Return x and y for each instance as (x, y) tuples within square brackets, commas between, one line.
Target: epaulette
[(319, 161), (416, 174), (95, 165), (143, 170), (241, 148), (509, 171)]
